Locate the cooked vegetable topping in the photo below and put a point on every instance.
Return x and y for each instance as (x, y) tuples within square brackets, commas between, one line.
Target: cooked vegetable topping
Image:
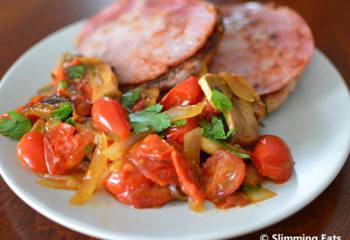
[(215, 129), (129, 99), (62, 112), (150, 119), (221, 101), (146, 150), (15, 125), (63, 84), (179, 123), (76, 72)]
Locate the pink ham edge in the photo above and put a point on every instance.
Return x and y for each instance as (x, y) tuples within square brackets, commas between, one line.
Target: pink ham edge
[(267, 45), (144, 39)]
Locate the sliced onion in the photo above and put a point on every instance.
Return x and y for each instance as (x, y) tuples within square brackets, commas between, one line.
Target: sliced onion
[(94, 174), (116, 151), (101, 78), (69, 182), (184, 112), (192, 147), (258, 194), (240, 87), (39, 126), (210, 146)]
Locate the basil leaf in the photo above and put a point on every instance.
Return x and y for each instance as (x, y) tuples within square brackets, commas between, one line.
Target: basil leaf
[(63, 84), (76, 72), (129, 99), (221, 101), (215, 129), (15, 126), (179, 123), (150, 119), (63, 112)]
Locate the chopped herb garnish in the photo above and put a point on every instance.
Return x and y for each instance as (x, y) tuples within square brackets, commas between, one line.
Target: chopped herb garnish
[(179, 123), (234, 151), (71, 121), (261, 124), (215, 129), (221, 101), (15, 125), (76, 72), (150, 119), (63, 111), (247, 188), (129, 99), (88, 149), (63, 84), (266, 108)]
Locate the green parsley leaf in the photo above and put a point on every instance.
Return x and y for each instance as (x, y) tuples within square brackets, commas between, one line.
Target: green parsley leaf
[(261, 124), (215, 129), (76, 72), (15, 126), (266, 108), (71, 121), (179, 123), (63, 84), (247, 188), (238, 154), (150, 119), (221, 101), (129, 99), (88, 149), (62, 112)]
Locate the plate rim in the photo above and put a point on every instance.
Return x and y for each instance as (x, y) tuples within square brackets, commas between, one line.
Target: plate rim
[(89, 230)]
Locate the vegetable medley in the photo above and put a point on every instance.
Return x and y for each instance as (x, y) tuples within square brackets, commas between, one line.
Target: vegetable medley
[(198, 141)]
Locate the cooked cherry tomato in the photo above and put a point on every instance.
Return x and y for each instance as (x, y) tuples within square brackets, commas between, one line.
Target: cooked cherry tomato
[(30, 151), (177, 134), (187, 92), (152, 157), (64, 149), (188, 181), (237, 199), (222, 174), (273, 159), (111, 117), (130, 187)]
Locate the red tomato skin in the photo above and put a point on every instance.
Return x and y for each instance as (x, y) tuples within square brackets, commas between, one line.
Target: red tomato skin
[(222, 174), (130, 187), (273, 158), (187, 177), (177, 134), (187, 92), (64, 149), (152, 157), (30, 151), (111, 117), (237, 199)]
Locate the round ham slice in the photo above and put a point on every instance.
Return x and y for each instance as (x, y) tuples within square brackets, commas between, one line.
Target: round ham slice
[(144, 39), (269, 46)]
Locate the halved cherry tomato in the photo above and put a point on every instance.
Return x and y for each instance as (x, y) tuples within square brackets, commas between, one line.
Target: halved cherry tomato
[(111, 117), (187, 92), (189, 184), (237, 199), (152, 157), (177, 134), (64, 149), (273, 159), (222, 174), (130, 187), (30, 151)]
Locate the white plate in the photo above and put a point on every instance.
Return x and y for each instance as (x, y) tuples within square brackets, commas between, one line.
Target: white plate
[(314, 122)]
